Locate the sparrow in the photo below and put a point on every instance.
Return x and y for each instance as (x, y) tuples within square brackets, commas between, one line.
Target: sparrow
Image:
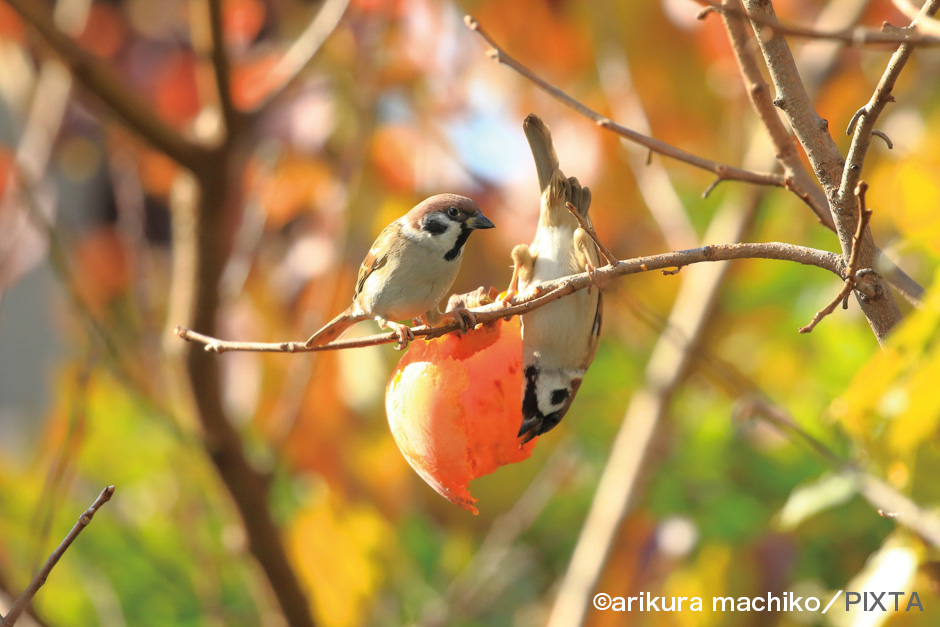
[(559, 340), (410, 268)]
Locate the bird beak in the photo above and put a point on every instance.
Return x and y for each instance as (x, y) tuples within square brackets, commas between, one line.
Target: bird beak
[(480, 221)]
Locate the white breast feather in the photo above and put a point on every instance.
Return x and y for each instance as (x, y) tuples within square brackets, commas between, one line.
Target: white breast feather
[(415, 278), (553, 250)]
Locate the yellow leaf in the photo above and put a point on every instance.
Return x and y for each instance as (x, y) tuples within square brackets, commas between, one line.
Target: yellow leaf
[(337, 549), (895, 392)]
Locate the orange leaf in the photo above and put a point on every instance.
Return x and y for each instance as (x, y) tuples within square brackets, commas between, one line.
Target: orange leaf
[(253, 80), (104, 32), (11, 26), (101, 271), (242, 20), (177, 93)]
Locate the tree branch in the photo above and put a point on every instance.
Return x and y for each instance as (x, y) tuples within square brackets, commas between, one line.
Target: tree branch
[(864, 119), (221, 68), (303, 50), (102, 83), (652, 177), (854, 36), (758, 91), (722, 171), (548, 292), (882, 312), (887, 500), (922, 18), (798, 179), (24, 599), (631, 454), (202, 242), (851, 273)]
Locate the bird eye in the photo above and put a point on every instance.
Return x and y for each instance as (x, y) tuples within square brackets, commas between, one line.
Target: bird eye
[(453, 212)]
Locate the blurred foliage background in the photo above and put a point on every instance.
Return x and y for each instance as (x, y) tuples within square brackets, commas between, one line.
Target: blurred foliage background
[(401, 102)]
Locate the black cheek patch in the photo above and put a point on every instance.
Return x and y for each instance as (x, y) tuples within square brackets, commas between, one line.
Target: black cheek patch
[(434, 226), (465, 231)]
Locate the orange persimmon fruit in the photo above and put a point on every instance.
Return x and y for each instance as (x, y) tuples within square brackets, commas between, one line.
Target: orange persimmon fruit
[(454, 406)]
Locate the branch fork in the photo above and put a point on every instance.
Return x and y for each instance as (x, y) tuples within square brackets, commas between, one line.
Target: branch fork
[(854, 277)]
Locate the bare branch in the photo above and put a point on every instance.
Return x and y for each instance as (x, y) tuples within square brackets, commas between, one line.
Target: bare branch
[(904, 511), (549, 292), (221, 68), (609, 256), (854, 36), (652, 177), (920, 18), (201, 248), (864, 119), (101, 81), (882, 312), (493, 567), (758, 91), (722, 171), (798, 179), (630, 455), (24, 599), (864, 214), (887, 500), (303, 50)]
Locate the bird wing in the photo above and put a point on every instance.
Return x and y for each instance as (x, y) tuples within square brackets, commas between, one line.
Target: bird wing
[(376, 257)]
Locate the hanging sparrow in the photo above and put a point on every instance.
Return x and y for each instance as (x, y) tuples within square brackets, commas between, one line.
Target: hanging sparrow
[(559, 340), (410, 268)]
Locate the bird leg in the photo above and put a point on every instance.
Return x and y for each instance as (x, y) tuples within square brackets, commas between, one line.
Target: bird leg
[(462, 316), (584, 247), (522, 262), (590, 232), (405, 334)]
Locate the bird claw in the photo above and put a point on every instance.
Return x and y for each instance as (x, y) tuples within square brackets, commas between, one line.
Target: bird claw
[(465, 318), (405, 336)]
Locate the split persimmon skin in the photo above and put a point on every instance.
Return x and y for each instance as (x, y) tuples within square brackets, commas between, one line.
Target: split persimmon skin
[(454, 407)]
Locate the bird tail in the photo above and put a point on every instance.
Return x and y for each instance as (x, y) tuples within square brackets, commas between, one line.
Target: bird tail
[(334, 328), (543, 151)]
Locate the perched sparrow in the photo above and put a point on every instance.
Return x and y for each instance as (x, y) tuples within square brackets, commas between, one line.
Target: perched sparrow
[(410, 268), (559, 340)]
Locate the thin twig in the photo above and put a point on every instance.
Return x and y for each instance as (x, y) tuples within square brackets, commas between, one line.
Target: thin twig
[(863, 122), (587, 228), (882, 313), (759, 406), (221, 68), (722, 171), (24, 599), (854, 36), (632, 451), (549, 292), (104, 84), (758, 91), (921, 18), (302, 51), (864, 215), (652, 177), (884, 498), (492, 567)]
